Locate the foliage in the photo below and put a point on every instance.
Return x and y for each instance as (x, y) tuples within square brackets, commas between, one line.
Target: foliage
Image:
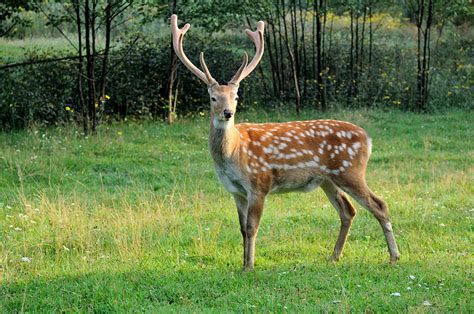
[(133, 219), (139, 76), (9, 14)]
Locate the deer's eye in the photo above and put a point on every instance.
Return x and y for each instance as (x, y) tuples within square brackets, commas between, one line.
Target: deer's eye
[(213, 98), (236, 98)]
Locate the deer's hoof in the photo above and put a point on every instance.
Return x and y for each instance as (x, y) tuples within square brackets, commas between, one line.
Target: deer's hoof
[(394, 259), (334, 258)]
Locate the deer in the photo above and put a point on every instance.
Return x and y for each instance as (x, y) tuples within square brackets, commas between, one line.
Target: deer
[(253, 160)]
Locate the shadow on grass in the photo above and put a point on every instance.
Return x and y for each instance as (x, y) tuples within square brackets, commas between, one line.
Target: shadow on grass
[(325, 286)]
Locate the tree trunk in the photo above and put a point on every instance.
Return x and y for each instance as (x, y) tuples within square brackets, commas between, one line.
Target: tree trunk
[(351, 61), (90, 67), (108, 26), (293, 69), (80, 74), (319, 70)]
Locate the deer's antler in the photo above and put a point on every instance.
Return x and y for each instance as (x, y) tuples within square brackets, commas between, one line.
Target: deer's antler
[(178, 35), (245, 70)]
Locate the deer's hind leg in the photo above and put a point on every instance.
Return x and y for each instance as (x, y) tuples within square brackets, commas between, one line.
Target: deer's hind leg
[(346, 213), (374, 204)]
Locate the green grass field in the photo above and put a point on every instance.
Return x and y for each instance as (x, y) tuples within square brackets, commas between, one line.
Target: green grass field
[(133, 219)]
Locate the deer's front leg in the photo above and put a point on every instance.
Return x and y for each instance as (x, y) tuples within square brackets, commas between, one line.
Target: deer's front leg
[(242, 206), (254, 213)]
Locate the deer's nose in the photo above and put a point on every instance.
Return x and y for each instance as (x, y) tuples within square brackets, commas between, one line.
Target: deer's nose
[(228, 114)]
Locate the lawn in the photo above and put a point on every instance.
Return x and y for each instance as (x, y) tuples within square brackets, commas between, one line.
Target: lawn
[(134, 219)]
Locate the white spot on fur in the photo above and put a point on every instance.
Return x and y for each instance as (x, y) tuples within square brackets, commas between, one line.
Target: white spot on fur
[(282, 145), (320, 151), (356, 145)]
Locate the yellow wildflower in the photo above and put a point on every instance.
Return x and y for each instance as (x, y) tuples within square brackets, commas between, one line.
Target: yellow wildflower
[(119, 133), (107, 97)]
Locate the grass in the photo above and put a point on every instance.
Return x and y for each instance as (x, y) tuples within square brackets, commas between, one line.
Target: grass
[(16, 50), (133, 219)]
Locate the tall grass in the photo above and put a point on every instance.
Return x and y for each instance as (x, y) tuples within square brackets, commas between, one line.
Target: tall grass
[(134, 219)]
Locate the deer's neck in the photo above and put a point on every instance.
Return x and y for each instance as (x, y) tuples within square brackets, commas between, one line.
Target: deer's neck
[(224, 140)]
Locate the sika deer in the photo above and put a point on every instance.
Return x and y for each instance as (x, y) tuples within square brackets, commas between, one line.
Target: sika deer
[(254, 160)]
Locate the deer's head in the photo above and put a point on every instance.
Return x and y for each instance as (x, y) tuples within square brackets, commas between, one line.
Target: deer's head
[(223, 98)]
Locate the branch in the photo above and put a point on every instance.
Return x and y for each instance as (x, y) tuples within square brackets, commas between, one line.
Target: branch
[(33, 62), (57, 27), (9, 29)]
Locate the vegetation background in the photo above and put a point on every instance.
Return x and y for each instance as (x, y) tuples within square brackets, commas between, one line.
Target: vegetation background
[(108, 199)]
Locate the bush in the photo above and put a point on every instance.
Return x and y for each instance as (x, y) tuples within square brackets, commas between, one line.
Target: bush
[(138, 80)]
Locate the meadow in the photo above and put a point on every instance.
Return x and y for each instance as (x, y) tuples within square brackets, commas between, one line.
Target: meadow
[(134, 219)]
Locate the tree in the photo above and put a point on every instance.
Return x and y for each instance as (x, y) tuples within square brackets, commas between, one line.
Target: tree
[(9, 16)]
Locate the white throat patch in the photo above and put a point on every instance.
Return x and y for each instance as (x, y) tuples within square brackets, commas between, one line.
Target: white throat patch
[(219, 124)]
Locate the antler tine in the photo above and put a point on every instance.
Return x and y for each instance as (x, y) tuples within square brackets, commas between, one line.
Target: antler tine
[(235, 79), (257, 38), (209, 77), (178, 35)]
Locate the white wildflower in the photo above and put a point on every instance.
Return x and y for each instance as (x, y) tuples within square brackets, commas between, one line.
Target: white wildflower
[(26, 259), (426, 303), (395, 294)]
